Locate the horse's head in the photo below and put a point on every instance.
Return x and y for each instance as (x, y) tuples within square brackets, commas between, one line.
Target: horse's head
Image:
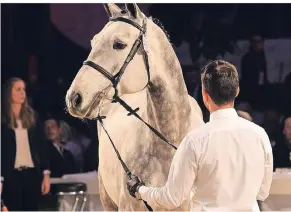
[(104, 72)]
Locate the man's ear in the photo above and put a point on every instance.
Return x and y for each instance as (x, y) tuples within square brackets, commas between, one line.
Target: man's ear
[(205, 98), (237, 92), (204, 94)]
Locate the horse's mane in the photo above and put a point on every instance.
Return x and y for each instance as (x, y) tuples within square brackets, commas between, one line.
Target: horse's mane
[(159, 23), (155, 20)]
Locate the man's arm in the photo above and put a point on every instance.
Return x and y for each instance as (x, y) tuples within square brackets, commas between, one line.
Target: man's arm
[(268, 175), (180, 181)]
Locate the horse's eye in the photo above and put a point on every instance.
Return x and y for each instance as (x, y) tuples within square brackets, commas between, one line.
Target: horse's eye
[(119, 45)]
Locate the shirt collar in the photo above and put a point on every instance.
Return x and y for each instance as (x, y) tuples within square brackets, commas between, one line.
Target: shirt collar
[(59, 148), (223, 113)]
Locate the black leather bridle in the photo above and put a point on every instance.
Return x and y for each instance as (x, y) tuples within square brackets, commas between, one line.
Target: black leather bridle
[(116, 79)]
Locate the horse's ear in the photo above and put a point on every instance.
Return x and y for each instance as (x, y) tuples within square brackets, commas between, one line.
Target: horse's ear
[(112, 9), (133, 10)]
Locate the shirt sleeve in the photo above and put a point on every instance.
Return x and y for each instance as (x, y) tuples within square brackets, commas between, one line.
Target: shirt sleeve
[(180, 181), (268, 174)]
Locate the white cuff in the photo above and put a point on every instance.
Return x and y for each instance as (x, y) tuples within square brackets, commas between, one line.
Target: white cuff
[(143, 190), (2, 179)]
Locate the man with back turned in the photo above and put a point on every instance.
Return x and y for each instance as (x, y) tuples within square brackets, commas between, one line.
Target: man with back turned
[(226, 164)]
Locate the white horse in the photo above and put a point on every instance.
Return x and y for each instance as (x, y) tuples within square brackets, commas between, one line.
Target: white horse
[(164, 103)]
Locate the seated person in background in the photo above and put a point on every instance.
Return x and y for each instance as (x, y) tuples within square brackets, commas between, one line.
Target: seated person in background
[(287, 98), (244, 115), (66, 131), (257, 116), (282, 149), (271, 124), (77, 146), (61, 160)]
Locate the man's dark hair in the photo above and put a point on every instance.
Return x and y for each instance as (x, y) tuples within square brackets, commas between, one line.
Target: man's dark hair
[(220, 80), (50, 117)]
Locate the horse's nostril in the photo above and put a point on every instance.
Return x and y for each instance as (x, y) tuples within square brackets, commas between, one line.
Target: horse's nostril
[(76, 100)]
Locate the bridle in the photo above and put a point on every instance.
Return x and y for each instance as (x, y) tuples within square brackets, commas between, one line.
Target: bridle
[(116, 79)]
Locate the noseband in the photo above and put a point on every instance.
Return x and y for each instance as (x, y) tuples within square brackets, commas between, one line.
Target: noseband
[(116, 79)]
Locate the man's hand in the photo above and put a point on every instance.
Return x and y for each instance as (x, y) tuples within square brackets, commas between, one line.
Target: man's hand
[(133, 185), (45, 186)]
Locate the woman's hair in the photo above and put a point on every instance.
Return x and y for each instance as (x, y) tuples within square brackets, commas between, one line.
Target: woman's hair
[(26, 112)]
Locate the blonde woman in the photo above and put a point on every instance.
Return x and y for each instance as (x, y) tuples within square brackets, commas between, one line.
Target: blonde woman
[(24, 162)]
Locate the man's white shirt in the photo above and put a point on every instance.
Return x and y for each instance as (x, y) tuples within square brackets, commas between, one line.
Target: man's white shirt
[(226, 164)]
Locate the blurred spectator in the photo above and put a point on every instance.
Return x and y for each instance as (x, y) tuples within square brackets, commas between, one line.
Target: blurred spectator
[(282, 149), (61, 160), (244, 106), (271, 124), (78, 146), (254, 70), (66, 131), (257, 117), (244, 115), (24, 161), (287, 98)]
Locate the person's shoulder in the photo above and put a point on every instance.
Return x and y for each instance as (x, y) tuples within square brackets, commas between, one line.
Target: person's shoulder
[(200, 132), (251, 126), (198, 137)]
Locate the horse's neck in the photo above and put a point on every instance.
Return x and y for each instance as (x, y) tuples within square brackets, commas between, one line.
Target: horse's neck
[(167, 112), (168, 104)]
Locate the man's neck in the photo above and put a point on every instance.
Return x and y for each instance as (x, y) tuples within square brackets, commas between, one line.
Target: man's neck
[(16, 110), (214, 108)]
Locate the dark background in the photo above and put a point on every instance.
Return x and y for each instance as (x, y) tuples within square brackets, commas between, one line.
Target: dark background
[(27, 31)]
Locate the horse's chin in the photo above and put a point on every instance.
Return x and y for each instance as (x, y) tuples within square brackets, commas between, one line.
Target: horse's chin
[(80, 114), (89, 112)]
